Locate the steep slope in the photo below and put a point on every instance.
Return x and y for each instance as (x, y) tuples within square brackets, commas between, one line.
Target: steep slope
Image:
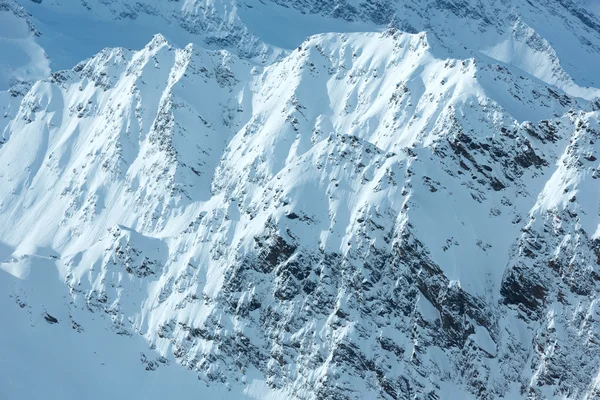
[(369, 217), (52, 349), (554, 40), (23, 60)]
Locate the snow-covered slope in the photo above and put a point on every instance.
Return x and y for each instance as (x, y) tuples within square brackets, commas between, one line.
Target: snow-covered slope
[(22, 57), (554, 40), (372, 215)]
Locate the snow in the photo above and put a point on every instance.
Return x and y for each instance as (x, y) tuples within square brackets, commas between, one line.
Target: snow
[(295, 214), (287, 28), (23, 59), (483, 339), (40, 359)]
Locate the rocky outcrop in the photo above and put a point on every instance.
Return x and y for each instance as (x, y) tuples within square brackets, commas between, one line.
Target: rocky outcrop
[(369, 217)]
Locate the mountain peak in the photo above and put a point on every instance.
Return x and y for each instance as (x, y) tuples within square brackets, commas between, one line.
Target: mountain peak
[(303, 199)]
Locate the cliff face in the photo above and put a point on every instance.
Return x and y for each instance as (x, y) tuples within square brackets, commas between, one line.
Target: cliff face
[(407, 213)]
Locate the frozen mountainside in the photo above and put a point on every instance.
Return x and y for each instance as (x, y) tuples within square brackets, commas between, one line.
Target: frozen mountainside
[(369, 217), (554, 40), (22, 57), (409, 212)]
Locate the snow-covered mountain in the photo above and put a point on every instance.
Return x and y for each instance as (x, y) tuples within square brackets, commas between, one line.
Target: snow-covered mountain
[(407, 208)]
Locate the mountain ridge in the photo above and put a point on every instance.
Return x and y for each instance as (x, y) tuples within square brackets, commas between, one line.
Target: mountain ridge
[(366, 217)]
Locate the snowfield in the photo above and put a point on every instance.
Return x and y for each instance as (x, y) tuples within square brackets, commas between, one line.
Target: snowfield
[(250, 206)]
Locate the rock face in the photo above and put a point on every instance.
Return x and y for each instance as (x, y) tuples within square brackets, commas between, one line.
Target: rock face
[(404, 214)]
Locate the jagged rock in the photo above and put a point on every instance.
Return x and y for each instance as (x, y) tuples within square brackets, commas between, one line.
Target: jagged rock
[(374, 215)]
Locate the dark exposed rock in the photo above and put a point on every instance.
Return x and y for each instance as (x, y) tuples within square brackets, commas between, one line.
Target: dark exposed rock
[(50, 319), (522, 288)]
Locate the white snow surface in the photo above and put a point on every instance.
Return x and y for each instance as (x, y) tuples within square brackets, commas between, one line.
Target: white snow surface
[(23, 59), (404, 212)]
